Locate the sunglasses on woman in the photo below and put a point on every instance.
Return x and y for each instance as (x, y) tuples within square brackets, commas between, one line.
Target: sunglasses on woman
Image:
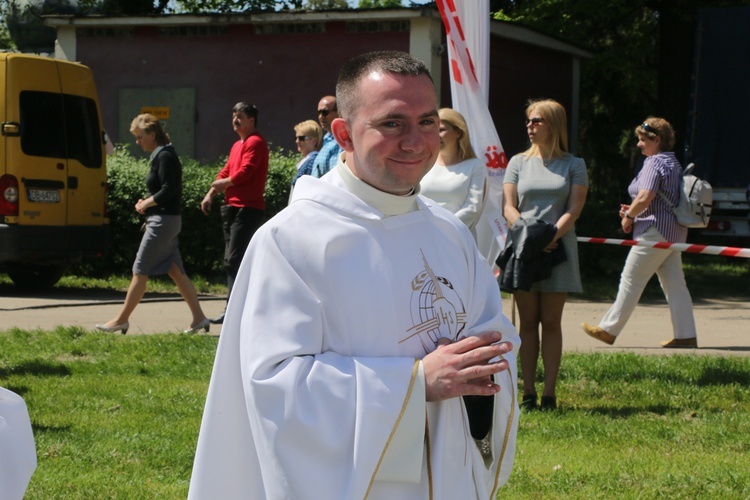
[(534, 121), (648, 128)]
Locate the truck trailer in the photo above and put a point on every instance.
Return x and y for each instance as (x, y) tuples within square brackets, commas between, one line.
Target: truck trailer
[(718, 129)]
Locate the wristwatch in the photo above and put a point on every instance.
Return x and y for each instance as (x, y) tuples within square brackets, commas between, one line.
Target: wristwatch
[(628, 216)]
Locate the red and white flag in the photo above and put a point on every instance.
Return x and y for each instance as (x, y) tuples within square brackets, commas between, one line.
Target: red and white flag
[(467, 27)]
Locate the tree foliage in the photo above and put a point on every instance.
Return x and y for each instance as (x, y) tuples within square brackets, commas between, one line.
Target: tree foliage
[(618, 85), (326, 4), (25, 27), (227, 6), (641, 64), (6, 42), (379, 4)]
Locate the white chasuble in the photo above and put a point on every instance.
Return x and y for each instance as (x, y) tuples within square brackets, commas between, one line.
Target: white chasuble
[(317, 389), (17, 449)]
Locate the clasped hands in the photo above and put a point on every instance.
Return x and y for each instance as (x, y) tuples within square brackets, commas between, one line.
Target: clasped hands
[(141, 206), (464, 367)]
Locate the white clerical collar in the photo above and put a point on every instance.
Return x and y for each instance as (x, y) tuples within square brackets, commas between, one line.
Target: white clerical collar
[(386, 203)]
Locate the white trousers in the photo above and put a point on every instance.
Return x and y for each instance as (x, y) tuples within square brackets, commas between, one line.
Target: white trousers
[(641, 264)]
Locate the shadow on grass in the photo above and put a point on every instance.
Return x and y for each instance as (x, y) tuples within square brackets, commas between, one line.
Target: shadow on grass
[(18, 389), (723, 376), (74, 293), (37, 368), (688, 370), (708, 376), (56, 429)]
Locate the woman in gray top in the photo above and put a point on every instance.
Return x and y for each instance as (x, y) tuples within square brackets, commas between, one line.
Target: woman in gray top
[(546, 183)]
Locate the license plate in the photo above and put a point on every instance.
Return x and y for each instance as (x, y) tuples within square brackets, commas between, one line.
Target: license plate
[(44, 196)]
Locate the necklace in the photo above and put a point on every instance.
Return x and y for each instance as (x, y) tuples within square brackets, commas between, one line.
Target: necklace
[(546, 162)]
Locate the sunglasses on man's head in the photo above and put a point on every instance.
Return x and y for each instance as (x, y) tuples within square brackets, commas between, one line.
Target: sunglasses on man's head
[(302, 138), (324, 112)]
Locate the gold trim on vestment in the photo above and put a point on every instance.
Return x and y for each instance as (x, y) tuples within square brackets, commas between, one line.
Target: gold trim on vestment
[(414, 372), (428, 449), (508, 429)]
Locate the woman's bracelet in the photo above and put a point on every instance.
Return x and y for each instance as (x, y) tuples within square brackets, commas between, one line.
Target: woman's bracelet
[(628, 216)]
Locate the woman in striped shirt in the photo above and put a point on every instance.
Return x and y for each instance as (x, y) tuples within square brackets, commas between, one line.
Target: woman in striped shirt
[(650, 218)]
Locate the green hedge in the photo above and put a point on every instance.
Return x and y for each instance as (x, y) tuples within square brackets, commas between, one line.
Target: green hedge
[(201, 239)]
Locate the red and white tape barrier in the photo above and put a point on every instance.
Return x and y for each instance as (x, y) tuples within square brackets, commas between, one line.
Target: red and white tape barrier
[(681, 247)]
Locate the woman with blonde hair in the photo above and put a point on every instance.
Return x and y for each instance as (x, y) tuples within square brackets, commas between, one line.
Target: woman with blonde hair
[(457, 180), (546, 183), (159, 252), (308, 136)]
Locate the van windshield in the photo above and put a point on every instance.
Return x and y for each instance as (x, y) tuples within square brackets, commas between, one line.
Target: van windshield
[(60, 126)]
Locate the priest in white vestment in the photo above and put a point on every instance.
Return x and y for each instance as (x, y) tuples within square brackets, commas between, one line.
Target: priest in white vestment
[(364, 352), (17, 449)]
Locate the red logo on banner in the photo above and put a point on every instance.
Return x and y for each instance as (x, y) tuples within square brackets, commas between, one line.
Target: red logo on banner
[(495, 158)]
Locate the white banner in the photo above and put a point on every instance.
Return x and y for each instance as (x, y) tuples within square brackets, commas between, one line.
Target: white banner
[(467, 27)]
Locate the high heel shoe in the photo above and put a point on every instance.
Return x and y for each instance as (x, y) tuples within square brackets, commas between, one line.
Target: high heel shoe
[(122, 327), (204, 324)]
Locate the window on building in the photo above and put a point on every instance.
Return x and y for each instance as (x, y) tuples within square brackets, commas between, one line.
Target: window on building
[(289, 28), (104, 32), (376, 26), (197, 30)]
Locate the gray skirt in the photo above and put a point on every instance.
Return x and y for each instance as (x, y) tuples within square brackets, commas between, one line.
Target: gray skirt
[(159, 246)]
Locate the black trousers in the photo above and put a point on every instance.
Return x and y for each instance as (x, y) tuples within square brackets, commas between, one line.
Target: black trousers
[(239, 224)]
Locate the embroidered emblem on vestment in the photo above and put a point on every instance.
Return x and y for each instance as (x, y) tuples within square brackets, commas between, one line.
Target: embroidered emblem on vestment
[(436, 310)]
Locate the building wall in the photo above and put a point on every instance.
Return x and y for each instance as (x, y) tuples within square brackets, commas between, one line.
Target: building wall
[(285, 75), (519, 72)]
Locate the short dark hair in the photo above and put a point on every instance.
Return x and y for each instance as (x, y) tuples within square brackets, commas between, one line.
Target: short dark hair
[(389, 61), (249, 109)]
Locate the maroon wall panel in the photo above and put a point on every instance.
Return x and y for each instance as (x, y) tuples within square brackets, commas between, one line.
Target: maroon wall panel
[(284, 75)]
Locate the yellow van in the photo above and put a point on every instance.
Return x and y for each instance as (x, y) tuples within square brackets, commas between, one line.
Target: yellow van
[(53, 175)]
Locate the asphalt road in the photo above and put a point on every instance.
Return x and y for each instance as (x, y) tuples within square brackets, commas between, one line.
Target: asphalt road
[(723, 325)]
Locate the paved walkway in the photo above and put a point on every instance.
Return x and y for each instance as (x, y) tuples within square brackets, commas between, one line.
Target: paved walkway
[(723, 325)]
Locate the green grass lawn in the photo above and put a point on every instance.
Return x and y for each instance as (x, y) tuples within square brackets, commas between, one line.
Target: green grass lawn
[(118, 417), (113, 416), (707, 276)]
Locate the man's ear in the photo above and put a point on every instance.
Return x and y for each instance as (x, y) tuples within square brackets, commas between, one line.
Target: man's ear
[(340, 131)]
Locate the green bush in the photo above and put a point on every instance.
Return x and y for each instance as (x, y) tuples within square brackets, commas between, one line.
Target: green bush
[(201, 238), (281, 170)]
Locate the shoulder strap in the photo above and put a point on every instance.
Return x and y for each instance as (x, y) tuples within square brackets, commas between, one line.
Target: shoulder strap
[(666, 200)]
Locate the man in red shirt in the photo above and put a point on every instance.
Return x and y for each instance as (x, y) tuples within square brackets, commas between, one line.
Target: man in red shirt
[(243, 181)]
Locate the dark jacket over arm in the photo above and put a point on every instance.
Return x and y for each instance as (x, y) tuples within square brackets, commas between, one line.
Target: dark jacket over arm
[(523, 261)]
